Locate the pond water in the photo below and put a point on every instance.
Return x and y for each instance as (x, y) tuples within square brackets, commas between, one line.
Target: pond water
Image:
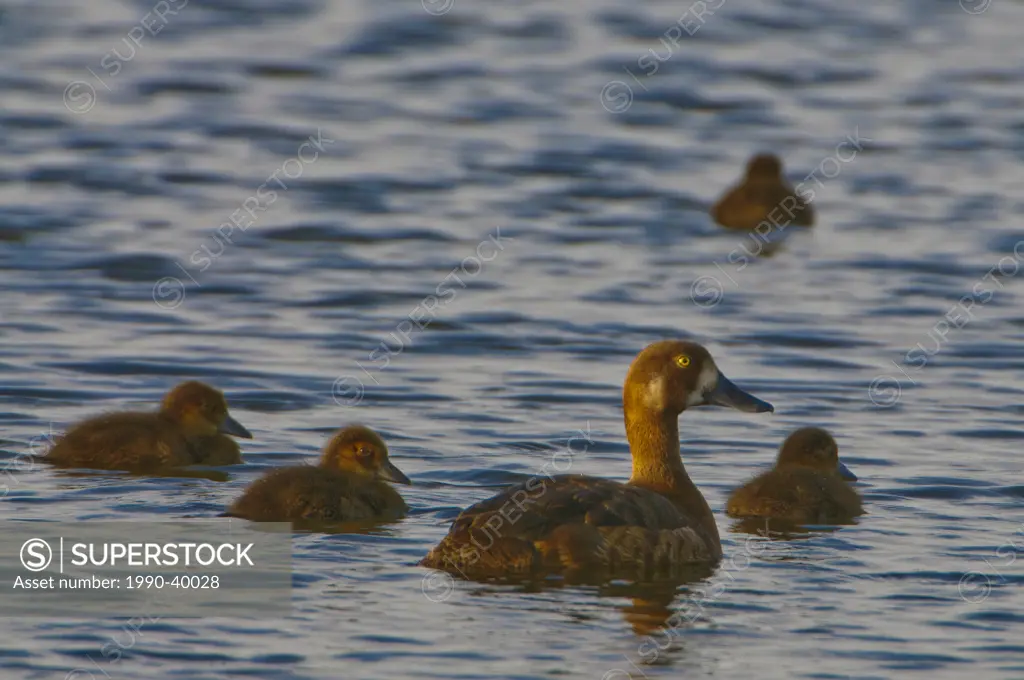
[(534, 180)]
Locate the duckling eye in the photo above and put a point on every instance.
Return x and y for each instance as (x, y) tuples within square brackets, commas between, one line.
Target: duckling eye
[(364, 452), (682, 361)]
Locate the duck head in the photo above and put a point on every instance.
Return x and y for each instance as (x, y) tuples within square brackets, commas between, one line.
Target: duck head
[(764, 166), (673, 375), (360, 450), (813, 447), (201, 411)]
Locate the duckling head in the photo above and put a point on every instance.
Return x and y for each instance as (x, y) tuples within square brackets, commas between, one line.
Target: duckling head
[(813, 447), (360, 450), (201, 411), (673, 375), (764, 166)]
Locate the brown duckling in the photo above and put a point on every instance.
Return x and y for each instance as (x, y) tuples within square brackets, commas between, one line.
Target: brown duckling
[(190, 428), (219, 450), (347, 485), (764, 196), (657, 523), (807, 485)]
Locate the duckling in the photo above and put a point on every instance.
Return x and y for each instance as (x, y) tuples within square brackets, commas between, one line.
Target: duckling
[(218, 450), (347, 485), (763, 196), (806, 486), (189, 429), (657, 523)]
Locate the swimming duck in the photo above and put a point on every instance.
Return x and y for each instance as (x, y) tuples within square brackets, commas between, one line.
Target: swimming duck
[(190, 428), (347, 485), (762, 196), (808, 484), (656, 523)]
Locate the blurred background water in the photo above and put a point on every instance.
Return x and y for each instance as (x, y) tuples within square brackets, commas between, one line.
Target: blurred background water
[(577, 147)]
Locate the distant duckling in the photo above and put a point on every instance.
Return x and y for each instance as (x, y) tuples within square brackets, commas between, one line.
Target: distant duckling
[(189, 429), (763, 196), (347, 485), (806, 486)]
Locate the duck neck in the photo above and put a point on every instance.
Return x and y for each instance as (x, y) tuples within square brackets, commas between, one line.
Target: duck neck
[(657, 465)]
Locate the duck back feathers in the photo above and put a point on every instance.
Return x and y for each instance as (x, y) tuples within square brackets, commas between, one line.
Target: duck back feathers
[(576, 523)]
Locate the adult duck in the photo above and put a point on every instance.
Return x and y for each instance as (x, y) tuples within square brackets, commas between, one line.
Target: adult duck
[(656, 523)]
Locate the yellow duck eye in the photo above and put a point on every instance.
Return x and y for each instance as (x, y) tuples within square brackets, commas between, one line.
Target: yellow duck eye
[(682, 361)]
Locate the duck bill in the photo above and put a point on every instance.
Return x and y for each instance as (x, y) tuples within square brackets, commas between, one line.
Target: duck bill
[(393, 474), (845, 473), (727, 394), (234, 428)]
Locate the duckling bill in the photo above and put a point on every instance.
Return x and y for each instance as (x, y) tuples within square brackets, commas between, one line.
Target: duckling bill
[(348, 484), (656, 524), (764, 196), (190, 428), (808, 484)]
